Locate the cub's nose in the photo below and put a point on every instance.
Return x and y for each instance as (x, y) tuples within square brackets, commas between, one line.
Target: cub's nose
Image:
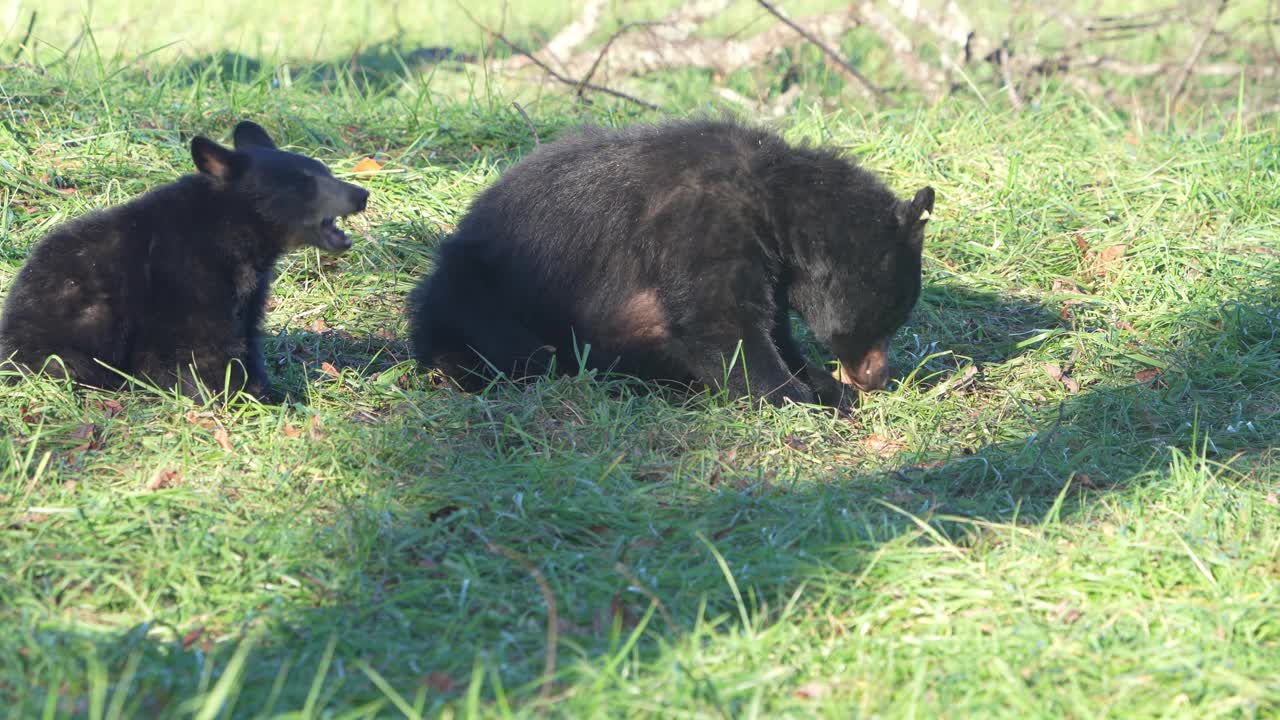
[(360, 197)]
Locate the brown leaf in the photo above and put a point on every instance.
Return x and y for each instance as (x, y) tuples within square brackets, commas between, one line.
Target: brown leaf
[(441, 682), (31, 518), (796, 443), (1111, 254), (87, 432), (110, 408), (1147, 375), (166, 478), (191, 637), (328, 369), (1105, 260), (1055, 372), (318, 326), (31, 414), (813, 690), (291, 430), (223, 439), (204, 420), (385, 334), (366, 166), (881, 446)]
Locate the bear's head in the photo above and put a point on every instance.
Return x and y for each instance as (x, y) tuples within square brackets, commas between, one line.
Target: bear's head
[(288, 190), (884, 294)]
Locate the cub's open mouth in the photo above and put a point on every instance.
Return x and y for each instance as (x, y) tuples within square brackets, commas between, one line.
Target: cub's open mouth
[(332, 236)]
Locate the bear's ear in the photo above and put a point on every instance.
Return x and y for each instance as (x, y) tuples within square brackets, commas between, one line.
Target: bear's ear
[(251, 134), (913, 215), (216, 161)]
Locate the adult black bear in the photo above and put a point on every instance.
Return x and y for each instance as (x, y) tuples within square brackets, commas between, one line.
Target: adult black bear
[(663, 248), (176, 278)]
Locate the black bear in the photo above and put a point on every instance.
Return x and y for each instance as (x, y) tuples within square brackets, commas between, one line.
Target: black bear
[(676, 252), (177, 278)]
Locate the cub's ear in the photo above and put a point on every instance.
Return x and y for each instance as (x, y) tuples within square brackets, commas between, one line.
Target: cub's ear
[(913, 215), (251, 134), (216, 161)]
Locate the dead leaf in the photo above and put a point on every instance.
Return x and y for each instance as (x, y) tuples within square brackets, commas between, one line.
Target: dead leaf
[(366, 166), (223, 439), (813, 690), (441, 682), (31, 414), (882, 446), (191, 637), (291, 430), (1112, 253), (30, 519), (110, 408), (166, 478), (796, 443), (204, 420), (328, 369), (1101, 262), (89, 434), (1055, 372), (318, 326), (1147, 375)]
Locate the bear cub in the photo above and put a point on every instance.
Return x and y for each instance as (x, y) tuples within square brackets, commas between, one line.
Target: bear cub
[(177, 278), (663, 248)]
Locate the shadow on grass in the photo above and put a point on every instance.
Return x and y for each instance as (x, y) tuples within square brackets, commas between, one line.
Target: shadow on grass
[(618, 496), (374, 67)]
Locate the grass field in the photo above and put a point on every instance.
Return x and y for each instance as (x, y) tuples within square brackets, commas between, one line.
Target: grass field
[(1067, 508)]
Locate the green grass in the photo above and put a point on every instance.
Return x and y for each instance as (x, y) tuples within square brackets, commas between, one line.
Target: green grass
[(985, 541)]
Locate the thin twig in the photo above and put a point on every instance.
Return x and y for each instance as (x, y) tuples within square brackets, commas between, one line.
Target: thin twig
[(553, 616), (22, 46), (635, 582), (532, 129), (552, 72), (835, 56), (1205, 32), (603, 50)]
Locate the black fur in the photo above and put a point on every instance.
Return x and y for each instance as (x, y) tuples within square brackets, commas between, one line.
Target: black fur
[(178, 277), (662, 248)]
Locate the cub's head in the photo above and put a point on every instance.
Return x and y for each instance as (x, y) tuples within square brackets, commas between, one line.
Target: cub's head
[(290, 190), (886, 292)]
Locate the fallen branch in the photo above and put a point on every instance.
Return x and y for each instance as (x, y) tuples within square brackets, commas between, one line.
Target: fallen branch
[(557, 76), (849, 69), (22, 45), (648, 50), (570, 36), (1211, 19)]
